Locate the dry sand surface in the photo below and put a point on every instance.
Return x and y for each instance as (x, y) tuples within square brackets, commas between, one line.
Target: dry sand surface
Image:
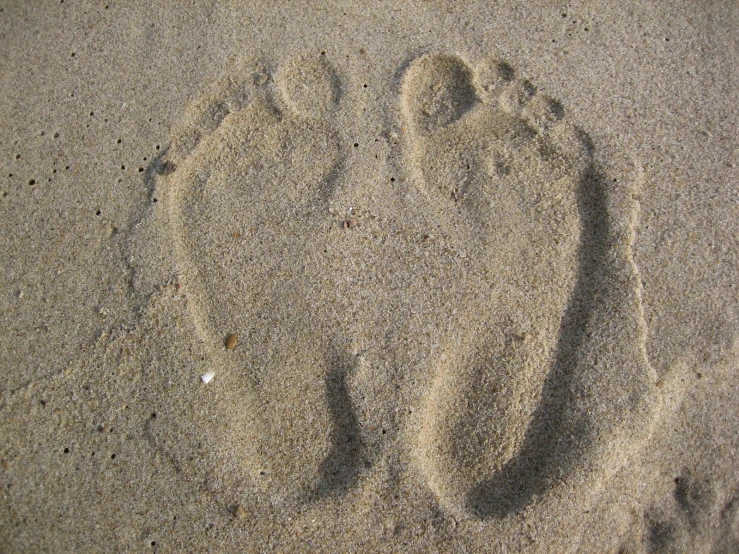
[(369, 277)]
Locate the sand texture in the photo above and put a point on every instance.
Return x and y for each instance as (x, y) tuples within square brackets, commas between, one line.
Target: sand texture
[(369, 277)]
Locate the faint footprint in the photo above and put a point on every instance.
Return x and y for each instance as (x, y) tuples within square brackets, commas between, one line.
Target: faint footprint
[(248, 171), (694, 520), (549, 377)]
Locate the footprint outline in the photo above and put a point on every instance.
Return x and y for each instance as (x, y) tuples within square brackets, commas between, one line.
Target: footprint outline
[(541, 457)]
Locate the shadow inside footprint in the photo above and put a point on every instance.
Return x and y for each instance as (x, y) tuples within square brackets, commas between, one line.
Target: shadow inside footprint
[(340, 469), (557, 435)]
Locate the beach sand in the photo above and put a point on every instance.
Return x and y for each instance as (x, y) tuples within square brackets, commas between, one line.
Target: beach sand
[(369, 277)]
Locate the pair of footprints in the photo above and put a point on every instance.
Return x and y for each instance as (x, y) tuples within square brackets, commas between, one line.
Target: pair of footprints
[(437, 331)]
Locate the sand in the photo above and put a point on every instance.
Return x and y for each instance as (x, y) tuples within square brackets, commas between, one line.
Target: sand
[(377, 277)]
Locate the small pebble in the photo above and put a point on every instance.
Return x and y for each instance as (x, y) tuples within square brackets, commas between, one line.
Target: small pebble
[(166, 168), (207, 377), (231, 342), (239, 512)]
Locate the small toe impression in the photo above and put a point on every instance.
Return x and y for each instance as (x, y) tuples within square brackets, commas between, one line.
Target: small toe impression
[(309, 85), (207, 113), (493, 78), (201, 119), (517, 96), (238, 88), (437, 91), (543, 112)]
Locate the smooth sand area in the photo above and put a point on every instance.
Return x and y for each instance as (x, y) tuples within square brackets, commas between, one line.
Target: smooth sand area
[(369, 277)]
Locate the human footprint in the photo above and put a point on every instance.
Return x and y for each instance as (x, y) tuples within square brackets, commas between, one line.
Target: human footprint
[(247, 171), (547, 377)]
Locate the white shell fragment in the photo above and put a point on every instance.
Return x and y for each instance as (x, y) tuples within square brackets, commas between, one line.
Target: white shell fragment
[(207, 377)]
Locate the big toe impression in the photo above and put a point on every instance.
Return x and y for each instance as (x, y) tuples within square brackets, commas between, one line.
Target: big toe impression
[(437, 91), (309, 85)]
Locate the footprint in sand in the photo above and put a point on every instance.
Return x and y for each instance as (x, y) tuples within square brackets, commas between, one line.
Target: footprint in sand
[(249, 168), (547, 376), (496, 238)]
